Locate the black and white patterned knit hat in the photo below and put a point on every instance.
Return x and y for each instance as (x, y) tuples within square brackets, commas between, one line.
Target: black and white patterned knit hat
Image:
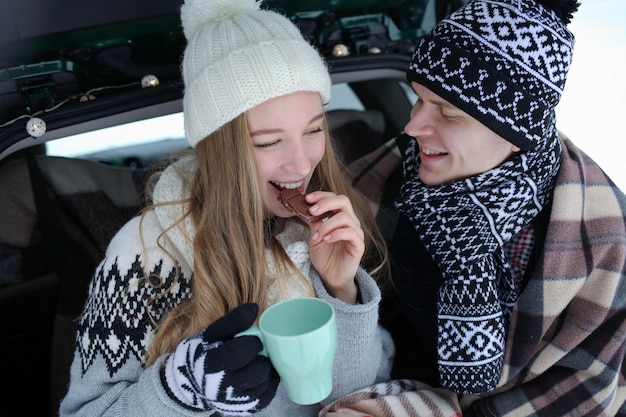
[(504, 62)]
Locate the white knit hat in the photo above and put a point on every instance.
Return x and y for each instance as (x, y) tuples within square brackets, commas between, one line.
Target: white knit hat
[(239, 56)]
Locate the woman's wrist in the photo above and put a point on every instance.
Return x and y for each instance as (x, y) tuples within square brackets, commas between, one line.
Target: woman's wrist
[(349, 295)]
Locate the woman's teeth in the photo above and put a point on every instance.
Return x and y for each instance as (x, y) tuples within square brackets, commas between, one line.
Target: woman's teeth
[(288, 185)]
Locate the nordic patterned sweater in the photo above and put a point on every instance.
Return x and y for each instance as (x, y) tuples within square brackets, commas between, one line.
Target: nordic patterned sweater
[(107, 377)]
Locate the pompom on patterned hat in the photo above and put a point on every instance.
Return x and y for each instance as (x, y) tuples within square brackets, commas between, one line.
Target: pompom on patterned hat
[(238, 56), (504, 62)]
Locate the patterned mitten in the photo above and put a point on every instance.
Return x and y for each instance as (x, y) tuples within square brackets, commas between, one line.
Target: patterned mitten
[(214, 370)]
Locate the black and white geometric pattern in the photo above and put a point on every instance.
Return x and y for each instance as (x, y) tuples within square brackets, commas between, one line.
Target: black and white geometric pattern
[(503, 62), (465, 225), (116, 321)]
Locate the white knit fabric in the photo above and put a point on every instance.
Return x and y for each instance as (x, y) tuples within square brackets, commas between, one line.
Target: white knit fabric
[(239, 56), (173, 185), (293, 239)]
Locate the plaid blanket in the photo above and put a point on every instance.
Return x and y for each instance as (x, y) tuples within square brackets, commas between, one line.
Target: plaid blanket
[(567, 339), (396, 398)]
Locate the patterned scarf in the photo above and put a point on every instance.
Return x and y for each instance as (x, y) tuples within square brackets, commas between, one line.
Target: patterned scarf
[(465, 225)]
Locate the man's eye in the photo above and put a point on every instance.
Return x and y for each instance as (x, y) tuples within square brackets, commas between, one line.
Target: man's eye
[(448, 114)]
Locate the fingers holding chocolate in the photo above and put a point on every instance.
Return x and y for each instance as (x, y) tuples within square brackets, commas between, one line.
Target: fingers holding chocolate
[(295, 202)]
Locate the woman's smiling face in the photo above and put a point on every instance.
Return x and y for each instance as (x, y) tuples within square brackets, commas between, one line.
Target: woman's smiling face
[(289, 142), (453, 145)]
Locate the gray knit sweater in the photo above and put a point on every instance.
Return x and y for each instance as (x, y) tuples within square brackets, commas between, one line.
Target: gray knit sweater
[(107, 376)]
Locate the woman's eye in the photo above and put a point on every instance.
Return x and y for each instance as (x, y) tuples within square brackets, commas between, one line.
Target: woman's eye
[(315, 131), (266, 145)]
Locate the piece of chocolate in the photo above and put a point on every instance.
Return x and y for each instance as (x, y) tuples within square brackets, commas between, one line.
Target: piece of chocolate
[(294, 201)]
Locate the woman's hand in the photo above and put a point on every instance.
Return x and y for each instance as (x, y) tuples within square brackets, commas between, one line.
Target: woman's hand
[(216, 371), (336, 244)]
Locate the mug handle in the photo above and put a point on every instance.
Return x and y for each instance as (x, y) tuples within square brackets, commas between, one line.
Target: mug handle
[(254, 331)]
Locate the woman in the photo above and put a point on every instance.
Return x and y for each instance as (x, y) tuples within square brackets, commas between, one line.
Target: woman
[(216, 246)]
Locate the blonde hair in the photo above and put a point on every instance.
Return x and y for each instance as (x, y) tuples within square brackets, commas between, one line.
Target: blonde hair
[(225, 206)]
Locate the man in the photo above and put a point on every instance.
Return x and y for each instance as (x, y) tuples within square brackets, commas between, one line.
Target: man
[(509, 243)]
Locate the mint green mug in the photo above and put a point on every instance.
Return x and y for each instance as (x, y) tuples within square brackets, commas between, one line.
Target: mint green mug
[(299, 336)]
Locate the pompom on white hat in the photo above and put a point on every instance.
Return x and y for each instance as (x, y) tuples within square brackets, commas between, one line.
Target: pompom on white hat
[(238, 56)]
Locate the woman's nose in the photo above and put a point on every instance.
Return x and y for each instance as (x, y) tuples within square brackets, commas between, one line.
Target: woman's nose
[(297, 159)]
